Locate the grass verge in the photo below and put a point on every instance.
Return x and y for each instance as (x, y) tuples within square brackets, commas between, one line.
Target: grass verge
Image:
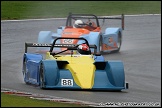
[(8, 100), (50, 9)]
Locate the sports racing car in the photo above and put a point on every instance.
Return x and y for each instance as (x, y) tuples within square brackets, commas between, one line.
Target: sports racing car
[(81, 69), (87, 26)]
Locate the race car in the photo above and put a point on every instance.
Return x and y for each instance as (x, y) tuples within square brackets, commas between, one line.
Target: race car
[(81, 69), (87, 26)]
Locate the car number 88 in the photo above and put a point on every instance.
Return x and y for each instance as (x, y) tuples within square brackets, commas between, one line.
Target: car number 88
[(66, 82)]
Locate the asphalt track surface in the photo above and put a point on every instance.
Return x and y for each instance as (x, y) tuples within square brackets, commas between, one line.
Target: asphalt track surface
[(140, 53)]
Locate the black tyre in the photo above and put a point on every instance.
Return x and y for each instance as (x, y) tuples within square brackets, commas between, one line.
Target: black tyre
[(41, 76), (25, 74), (24, 70), (119, 42), (24, 67)]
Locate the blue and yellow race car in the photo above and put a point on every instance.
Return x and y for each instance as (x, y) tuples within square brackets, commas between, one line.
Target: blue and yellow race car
[(77, 69), (88, 26)]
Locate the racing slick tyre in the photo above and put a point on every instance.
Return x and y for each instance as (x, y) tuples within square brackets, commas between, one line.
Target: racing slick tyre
[(119, 42), (24, 71), (41, 76), (24, 68)]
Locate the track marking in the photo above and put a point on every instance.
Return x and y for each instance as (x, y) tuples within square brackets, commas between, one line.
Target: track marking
[(66, 18)]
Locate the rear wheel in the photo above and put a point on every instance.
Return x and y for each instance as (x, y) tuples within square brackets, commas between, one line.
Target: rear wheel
[(119, 42), (100, 45)]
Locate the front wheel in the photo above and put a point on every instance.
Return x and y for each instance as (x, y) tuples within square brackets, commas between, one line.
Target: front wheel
[(41, 76), (24, 67), (25, 74)]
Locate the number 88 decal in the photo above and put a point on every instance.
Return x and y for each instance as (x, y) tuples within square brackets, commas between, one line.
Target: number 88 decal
[(66, 82)]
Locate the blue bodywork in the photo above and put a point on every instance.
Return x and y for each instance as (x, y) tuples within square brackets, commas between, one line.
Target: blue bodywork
[(109, 75)]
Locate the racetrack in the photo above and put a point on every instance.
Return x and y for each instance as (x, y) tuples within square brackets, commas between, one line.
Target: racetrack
[(140, 53)]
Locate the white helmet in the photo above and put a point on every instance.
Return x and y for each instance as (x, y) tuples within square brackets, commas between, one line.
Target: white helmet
[(76, 24)]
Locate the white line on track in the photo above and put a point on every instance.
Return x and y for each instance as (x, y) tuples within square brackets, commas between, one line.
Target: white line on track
[(65, 18)]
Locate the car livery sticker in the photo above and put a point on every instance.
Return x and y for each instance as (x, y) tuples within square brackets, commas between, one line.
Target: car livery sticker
[(66, 82), (110, 40), (68, 41)]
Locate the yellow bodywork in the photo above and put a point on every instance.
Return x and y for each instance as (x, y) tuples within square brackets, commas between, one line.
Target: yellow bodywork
[(80, 66)]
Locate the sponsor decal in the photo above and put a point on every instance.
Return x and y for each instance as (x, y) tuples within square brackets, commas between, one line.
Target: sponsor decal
[(68, 41), (32, 79), (39, 44), (56, 45), (110, 40)]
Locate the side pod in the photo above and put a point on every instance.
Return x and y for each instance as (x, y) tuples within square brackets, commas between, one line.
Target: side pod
[(115, 73), (109, 75)]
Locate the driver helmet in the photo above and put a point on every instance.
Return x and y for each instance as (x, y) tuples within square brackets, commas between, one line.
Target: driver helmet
[(83, 49), (76, 24)]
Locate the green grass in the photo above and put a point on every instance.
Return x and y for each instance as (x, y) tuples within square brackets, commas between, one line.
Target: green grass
[(19, 101), (50, 9)]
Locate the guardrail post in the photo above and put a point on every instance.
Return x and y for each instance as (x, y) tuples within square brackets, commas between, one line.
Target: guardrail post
[(122, 21)]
